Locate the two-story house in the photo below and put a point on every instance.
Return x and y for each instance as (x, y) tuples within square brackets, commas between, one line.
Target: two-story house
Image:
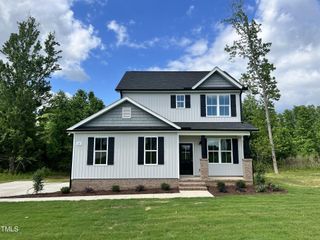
[(168, 126)]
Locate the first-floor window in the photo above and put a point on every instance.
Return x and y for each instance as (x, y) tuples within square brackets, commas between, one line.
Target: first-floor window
[(219, 150), (151, 150), (100, 150)]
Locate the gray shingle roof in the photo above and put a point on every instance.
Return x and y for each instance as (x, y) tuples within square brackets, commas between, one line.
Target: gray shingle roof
[(211, 126), (162, 80)]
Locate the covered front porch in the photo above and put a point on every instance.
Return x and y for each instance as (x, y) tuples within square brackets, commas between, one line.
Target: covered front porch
[(215, 156)]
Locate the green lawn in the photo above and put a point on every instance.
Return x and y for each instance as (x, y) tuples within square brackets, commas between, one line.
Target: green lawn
[(294, 215), (54, 177)]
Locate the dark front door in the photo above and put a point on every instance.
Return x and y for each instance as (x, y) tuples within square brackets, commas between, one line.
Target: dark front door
[(186, 159)]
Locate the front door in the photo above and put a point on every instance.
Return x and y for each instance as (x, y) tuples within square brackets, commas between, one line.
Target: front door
[(186, 159)]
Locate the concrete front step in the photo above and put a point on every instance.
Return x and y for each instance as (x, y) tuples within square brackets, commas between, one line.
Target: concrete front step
[(188, 188), (192, 184)]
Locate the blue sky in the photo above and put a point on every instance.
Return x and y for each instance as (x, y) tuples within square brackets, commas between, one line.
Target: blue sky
[(145, 20), (101, 39)]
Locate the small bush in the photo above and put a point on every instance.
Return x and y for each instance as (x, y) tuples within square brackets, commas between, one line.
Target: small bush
[(261, 188), (165, 186), (88, 190), (140, 188), (115, 188), (37, 179), (259, 178), (221, 186), (274, 187), (240, 185), (65, 190)]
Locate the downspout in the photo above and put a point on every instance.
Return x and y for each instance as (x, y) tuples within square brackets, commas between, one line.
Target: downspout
[(241, 118)]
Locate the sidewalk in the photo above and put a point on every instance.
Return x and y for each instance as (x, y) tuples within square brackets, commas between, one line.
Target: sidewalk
[(181, 194)]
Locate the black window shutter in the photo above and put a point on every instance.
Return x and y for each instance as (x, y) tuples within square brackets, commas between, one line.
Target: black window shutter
[(90, 151), (160, 150), (111, 151), (203, 105), (246, 147), (140, 150), (203, 147), (235, 151), (233, 106), (188, 103), (173, 101)]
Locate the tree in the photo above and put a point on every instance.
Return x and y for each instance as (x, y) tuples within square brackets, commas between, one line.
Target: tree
[(258, 76), (24, 87), (61, 113)]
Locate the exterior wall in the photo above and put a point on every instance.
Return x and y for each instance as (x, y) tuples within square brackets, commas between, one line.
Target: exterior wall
[(160, 103), (214, 169), (215, 80), (106, 184), (114, 118), (125, 158)]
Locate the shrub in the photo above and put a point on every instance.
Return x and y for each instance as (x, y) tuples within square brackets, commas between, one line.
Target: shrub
[(45, 171), (65, 190), (88, 190), (221, 186), (115, 188), (261, 188), (259, 178), (140, 188), (274, 187), (240, 185), (165, 186), (37, 179)]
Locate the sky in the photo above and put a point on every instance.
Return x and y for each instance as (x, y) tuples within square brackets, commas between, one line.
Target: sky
[(101, 39)]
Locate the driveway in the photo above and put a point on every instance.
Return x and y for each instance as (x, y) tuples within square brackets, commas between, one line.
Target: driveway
[(25, 187)]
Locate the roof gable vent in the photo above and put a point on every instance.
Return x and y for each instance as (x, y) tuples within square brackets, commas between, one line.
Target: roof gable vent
[(126, 112)]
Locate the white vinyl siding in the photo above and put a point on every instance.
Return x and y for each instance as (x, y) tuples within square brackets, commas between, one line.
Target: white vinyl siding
[(160, 103), (125, 158)]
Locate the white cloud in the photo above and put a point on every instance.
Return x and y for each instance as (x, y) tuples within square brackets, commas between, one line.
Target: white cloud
[(293, 28), (123, 38), (200, 47), (76, 39), (190, 10)]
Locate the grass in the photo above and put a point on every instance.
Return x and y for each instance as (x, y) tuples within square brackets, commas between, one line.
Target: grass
[(264, 216), (54, 177)]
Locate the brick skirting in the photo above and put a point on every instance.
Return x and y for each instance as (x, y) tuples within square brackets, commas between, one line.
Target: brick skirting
[(125, 184)]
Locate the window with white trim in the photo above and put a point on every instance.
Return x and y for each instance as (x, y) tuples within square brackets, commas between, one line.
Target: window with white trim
[(220, 150), (126, 112), (218, 105), (100, 151), (150, 150), (180, 101)]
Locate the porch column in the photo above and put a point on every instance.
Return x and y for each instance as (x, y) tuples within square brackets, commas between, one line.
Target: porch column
[(204, 168), (247, 170), (204, 159)]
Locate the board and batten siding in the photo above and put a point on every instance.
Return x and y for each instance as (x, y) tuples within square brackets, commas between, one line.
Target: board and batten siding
[(113, 117), (125, 158), (214, 169), (160, 103)]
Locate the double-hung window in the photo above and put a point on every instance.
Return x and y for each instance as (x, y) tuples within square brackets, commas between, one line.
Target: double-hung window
[(220, 150), (100, 151), (151, 150), (218, 105), (180, 101)]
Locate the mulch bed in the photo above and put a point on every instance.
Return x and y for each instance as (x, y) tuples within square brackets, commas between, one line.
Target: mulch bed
[(249, 190), (94, 193)]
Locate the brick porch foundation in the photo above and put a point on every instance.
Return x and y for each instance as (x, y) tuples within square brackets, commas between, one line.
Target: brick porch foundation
[(125, 184)]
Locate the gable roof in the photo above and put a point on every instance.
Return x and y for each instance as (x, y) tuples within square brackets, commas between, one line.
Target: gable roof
[(113, 105), (171, 80)]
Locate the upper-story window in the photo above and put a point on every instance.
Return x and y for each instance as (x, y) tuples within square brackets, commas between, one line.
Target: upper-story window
[(218, 105), (180, 101)]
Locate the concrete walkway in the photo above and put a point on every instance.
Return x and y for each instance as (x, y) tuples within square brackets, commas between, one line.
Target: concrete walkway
[(25, 187), (181, 194)]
